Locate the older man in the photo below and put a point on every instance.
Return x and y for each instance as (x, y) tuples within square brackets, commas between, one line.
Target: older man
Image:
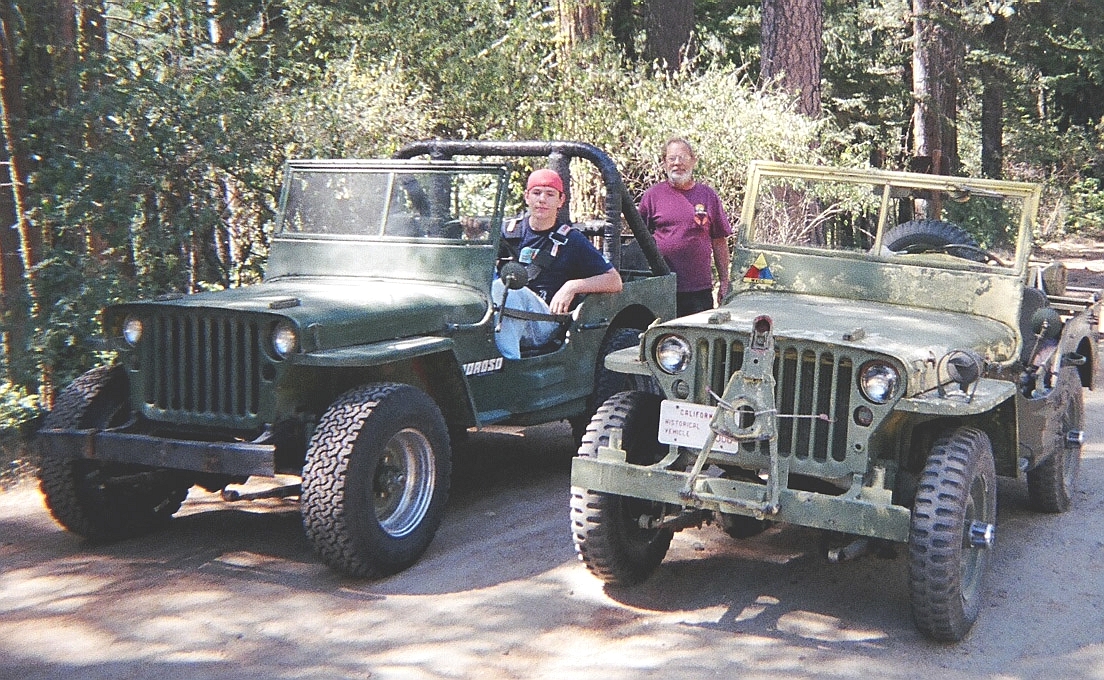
[(690, 226)]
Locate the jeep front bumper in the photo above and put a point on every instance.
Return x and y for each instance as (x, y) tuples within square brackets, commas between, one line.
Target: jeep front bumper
[(861, 510), (239, 459)]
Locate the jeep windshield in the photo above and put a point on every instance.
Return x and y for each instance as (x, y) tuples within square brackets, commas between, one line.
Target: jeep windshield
[(381, 200), (937, 221)]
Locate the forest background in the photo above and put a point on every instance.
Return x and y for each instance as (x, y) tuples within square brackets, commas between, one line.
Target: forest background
[(146, 137)]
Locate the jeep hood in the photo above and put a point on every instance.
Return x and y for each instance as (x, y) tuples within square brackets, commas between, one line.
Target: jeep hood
[(344, 311), (910, 334)]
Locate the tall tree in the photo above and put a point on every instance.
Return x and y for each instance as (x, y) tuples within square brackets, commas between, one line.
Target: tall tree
[(17, 277), (993, 78), (579, 20), (668, 26), (792, 49), (937, 65)]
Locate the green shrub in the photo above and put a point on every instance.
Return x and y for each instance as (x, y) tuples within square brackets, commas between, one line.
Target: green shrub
[(20, 413)]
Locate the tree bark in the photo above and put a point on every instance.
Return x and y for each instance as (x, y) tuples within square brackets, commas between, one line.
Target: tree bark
[(17, 274), (992, 130), (623, 26), (580, 21), (792, 50), (668, 25), (992, 102), (937, 65)]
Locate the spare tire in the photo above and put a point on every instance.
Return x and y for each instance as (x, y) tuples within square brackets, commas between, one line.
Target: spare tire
[(915, 234)]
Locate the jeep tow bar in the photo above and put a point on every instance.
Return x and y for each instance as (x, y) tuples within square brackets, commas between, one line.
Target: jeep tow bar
[(746, 412)]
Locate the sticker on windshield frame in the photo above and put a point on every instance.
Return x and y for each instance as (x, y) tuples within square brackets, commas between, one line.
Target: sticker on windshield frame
[(759, 272)]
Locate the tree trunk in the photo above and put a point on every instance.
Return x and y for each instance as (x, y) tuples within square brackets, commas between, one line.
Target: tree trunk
[(668, 25), (220, 29), (13, 303), (623, 26), (992, 130), (792, 49), (992, 102), (93, 37), (29, 239), (937, 64), (579, 20)]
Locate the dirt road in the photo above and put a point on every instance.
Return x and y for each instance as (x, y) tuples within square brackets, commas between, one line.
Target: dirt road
[(233, 591)]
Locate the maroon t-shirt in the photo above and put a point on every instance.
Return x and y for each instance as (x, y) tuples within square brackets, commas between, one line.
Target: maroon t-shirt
[(685, 224)]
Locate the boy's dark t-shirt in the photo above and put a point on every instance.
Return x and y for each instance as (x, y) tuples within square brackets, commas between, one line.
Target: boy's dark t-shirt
[(572, 255)]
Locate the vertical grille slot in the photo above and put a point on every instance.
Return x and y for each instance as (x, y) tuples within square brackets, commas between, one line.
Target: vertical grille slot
[(808, 382), (203, 365)]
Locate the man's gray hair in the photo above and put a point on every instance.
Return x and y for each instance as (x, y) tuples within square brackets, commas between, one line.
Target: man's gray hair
[(677, 140)]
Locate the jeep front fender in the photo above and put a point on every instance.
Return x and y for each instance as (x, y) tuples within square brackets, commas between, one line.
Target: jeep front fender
[(988, 394), (428, 362), (374, 354)]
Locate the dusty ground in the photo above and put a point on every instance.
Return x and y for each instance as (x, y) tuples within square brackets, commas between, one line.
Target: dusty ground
[(233, 591)]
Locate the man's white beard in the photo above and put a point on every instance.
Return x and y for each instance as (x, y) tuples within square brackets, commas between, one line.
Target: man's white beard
[(679, 177)]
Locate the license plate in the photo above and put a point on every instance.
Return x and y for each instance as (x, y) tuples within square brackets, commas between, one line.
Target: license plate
[(684, 424)]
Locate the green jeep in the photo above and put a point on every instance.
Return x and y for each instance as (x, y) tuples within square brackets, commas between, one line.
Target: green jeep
[(871, 373), (369, 347)]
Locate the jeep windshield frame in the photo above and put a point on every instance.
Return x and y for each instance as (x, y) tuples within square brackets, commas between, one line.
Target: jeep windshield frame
[(386, 200), (848, 212)]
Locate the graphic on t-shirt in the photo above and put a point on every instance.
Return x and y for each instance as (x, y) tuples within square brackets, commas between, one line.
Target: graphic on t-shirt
[(701, 216), (759, 272)]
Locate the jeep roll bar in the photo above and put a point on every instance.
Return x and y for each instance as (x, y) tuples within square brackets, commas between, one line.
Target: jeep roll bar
[(559, 153)]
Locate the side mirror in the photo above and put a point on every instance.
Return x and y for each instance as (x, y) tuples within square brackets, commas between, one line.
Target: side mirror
[(514, 275)]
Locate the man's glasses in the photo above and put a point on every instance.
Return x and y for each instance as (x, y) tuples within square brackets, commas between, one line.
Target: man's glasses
[(678, 158)]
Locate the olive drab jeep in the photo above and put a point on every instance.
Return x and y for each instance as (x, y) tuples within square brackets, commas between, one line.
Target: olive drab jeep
[(367, 349), (871, 374)]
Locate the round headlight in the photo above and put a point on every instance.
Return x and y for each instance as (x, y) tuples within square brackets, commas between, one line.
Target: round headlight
[(672, 353), (878, 381), (132, 330), (285, 339)]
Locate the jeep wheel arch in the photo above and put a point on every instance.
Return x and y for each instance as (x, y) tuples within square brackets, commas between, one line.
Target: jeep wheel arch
[(606, 382)]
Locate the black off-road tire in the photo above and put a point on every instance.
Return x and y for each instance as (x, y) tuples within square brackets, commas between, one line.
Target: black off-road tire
[(934, 233), (608, 538), (606, 382), (1050, 485), (957, 487), (103, 501), (376, 479)]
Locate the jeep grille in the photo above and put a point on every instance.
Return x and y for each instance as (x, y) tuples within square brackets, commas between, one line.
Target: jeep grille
[(204, 365), (808, 381)]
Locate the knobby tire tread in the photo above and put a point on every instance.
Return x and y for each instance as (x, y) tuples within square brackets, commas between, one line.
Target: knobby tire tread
[(606, 541), (337, 536), (936, 585), (80, 494)]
